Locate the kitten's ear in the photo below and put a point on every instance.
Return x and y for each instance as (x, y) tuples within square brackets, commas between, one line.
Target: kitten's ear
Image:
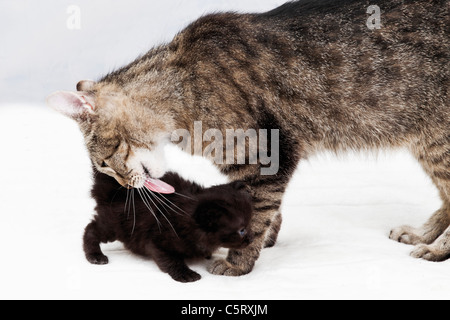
[(78, 106), (239, 185)]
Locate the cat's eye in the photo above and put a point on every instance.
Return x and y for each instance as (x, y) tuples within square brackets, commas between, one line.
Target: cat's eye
[(242, 232), (104, 165)]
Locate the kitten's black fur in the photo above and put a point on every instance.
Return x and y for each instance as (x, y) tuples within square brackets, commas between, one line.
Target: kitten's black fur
[(201, 221)]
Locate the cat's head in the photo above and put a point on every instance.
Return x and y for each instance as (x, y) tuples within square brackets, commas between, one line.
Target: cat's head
[(224, 213), (125, 136)]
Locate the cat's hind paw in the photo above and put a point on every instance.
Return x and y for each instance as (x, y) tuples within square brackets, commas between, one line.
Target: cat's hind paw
[(427, 252), (406, 235)]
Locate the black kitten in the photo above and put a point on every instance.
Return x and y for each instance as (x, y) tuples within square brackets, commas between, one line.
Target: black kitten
[(192, 223)]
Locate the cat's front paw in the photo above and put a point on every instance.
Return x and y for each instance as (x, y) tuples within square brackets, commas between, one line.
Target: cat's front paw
[(224, 268), (97, 258), (270, 242), (187, 276), (406, 235), (427, 252)]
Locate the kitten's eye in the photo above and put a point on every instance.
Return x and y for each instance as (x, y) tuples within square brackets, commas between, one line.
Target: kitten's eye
[(104, 165), (242, 232)]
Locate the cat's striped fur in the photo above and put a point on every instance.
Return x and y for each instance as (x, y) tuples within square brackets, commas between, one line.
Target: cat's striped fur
[(311, 69)]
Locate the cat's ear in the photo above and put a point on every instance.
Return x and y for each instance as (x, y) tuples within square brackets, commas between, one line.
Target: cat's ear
[(85, 85), (76, 105)]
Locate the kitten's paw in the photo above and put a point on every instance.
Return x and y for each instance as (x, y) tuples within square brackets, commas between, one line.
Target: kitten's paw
[(406, 235), (97, 258), (185, 277), (224, 268), (427, 252)]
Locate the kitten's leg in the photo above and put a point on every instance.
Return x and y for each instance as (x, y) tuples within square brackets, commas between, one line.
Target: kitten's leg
[(434, 237), (267, 196), (275, 228), (173, 265), (91, 244)]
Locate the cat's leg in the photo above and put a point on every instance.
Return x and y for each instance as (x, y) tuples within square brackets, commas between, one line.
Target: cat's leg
[(437, 164), (91, 244), (426, 234), (433, 239), (437, 251), (272, 235), (172, 264), (267, 195)]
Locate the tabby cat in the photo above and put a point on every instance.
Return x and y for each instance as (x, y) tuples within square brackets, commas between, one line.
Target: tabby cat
[(311, 69)]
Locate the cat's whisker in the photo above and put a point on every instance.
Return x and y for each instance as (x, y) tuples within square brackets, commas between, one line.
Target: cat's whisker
[(134, 212), (96, 173), (163, 205), (173, 204), (149, 207), (162, 201), (149, 197), (183, 195), (130, 200), (126, 202), (145, 201)]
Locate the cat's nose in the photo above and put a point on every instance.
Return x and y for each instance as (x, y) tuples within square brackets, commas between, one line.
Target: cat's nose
[(123, 183)]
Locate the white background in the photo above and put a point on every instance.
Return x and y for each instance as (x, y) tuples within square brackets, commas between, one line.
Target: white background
[(338, 210)]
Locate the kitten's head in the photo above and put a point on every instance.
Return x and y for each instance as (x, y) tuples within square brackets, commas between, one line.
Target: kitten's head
[(125, 136), (224, 213)]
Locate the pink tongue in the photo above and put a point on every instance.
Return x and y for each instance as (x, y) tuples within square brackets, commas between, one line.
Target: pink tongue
[(159, 186)]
